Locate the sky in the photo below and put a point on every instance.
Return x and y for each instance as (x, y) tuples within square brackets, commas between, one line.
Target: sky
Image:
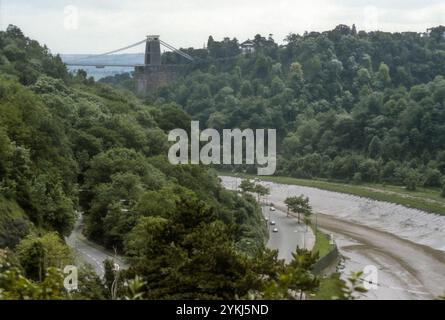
[(97, 26)]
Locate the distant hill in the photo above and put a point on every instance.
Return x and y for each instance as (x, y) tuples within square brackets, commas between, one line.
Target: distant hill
[(99, 73)]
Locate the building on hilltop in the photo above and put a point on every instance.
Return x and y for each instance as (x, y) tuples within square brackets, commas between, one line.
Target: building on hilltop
[(247, 47)]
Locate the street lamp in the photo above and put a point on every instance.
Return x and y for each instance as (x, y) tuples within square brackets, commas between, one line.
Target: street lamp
[(316, 222), (236, 181)]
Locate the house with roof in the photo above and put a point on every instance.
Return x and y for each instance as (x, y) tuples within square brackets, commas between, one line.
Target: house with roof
[(247, 47)]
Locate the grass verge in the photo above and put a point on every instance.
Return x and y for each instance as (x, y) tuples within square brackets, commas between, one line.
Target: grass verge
[(322, 244)]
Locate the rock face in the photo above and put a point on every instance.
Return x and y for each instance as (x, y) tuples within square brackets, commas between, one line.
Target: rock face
[(152, 77)]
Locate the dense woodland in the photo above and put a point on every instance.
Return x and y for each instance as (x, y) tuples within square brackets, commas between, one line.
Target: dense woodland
[(348, 105), (70, 145)]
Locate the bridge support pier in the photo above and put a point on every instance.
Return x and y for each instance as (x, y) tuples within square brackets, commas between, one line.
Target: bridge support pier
[(149, 78)]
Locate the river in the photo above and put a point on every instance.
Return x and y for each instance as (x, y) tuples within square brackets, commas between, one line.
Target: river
[(407, 246)]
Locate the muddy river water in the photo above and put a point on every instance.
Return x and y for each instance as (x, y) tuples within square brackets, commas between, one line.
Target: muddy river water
[(407, 246)]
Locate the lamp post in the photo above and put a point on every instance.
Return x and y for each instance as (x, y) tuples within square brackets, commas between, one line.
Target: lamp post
[(316, 222), (304, 240), (305, 230)]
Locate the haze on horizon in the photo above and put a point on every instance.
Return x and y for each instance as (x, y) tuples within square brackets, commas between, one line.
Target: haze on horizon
[(104, 25)]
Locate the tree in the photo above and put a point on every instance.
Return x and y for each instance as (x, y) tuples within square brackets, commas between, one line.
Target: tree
[(300, 270), (157, 203), (411, 180), (246, 89), (432, 178), (109, 275), (363, 77), (277, 86), (210, 42), (6, 152), (14, 31), (262, 66), (217, 120), (194, 251), (299, 205), (375, 147), (354, 30), (14, 286), (296, 77), (37, 254), (369, 170), (172, 116), (383, 77), (296, 278), (437, 33), (261, 191), (247, 185), (357, 179)]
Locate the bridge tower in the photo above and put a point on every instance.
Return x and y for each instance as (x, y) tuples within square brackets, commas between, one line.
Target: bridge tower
[(150, 75), (153, 74), (153, 51)]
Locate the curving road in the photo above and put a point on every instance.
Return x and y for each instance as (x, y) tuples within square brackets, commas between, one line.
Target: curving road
[(89, 252)]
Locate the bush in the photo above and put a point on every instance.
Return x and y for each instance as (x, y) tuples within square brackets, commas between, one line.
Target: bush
[(37, 254), (432, 178), (411, 180), (357, 178)]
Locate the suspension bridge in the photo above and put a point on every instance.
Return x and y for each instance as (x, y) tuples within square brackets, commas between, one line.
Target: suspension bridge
[(153, 46), (150, 75)]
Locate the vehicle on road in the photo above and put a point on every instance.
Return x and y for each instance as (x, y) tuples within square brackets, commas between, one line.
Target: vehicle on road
[(272, 209), (272, 223), (275, 230)]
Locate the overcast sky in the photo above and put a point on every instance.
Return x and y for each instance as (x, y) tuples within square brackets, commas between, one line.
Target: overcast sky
[(103, 25)]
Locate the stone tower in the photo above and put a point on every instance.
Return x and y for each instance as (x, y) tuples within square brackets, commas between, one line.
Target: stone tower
[(153, 74), (153, 51)]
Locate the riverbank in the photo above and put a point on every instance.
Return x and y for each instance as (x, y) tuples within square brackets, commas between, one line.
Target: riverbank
[(406, 245), (427, 200)]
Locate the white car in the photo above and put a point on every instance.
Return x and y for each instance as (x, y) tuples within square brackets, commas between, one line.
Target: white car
[(272, 209), (272, 223), (275, 230)]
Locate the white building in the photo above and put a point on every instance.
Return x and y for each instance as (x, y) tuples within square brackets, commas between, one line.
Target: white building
[(247, 47)]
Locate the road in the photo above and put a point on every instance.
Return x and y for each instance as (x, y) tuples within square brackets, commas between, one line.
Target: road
[(89, 252), (405, 251), (290, 234)]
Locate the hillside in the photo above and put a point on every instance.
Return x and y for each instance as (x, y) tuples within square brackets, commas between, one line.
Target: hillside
[(68, 144), (348, 105)]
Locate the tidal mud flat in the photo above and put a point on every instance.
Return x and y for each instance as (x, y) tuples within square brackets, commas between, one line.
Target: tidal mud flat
[(406, 245)]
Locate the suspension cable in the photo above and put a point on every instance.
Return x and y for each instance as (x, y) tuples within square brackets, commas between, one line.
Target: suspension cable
[(181, 53), (168, 46), (111, 52)]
